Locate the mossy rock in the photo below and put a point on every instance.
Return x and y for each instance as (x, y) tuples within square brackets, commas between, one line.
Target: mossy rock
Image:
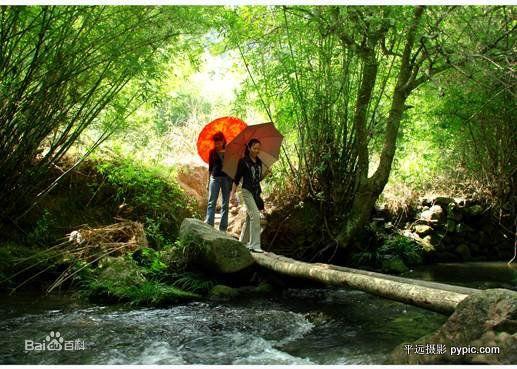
[(215, 251), (222, 292), (394, 264), (120, 270), (120, 279), (486, 318), (264, 288), (423, 230), (474, 210)]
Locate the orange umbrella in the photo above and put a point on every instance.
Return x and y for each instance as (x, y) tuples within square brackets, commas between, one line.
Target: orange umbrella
[(229, 126), (269, 137)]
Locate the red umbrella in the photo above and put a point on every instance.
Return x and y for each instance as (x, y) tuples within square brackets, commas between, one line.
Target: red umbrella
[(270, 139), (229, 126)]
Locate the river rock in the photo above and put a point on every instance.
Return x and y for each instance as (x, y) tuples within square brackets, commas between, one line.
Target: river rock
[(454, 212), (433, 213), (423, 230), (474, 247), (221, 292), (120, 270), (474, 210), (236, 222), (444, 201), (486, 318), (451, 225), (464, 251), (460, 228), (216, 250), (193, 179)]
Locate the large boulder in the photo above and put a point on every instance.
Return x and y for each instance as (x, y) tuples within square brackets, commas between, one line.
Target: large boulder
[(237, 219), (485, 319), (215, 250), (193, 179)]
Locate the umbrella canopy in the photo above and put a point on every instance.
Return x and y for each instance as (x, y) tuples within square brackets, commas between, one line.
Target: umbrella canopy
[(270, 140), (229, 126)]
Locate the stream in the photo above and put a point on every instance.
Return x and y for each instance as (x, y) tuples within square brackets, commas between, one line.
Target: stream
[(300, 326)]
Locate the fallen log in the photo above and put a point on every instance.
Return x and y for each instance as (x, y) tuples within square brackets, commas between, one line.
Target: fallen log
[(433, 296)]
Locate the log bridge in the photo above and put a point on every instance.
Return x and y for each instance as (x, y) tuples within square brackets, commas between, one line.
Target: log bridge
[(439, 297), (221, 253)]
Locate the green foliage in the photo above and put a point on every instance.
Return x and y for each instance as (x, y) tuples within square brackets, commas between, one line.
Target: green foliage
[(342, 79), (157, 200), (40, 234), (153, 231), (20, 264), (459, 136), (150, 260), (407, 249), (122, 279), (394, 246), (146, 293), (66, 68), (179, 255), (193, 282)]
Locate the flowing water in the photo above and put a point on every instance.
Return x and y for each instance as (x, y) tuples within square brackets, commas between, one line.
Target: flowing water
[(302, 326)]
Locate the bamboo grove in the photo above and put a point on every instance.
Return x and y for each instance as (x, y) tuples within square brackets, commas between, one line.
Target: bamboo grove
[(340, 81)]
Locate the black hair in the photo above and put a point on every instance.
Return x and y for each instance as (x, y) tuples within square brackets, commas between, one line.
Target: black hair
[(219, 136), (250, 143)]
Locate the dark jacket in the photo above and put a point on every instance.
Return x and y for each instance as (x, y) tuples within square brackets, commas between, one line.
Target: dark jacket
[(251, 174), (215, 164)]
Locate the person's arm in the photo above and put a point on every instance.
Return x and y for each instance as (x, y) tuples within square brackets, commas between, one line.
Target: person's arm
[(236, 180), (211, 162), (210, 167)]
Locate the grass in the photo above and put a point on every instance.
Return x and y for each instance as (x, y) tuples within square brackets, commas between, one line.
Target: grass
[(145, 293), (21, 265)]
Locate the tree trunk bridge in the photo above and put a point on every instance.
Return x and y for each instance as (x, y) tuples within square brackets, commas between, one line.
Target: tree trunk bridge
[(433, 296)]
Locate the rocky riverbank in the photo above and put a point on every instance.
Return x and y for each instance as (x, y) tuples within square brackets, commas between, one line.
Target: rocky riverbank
[(457, 230)]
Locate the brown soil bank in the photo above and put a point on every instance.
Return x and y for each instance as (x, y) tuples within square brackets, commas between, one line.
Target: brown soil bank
[(99, 193)]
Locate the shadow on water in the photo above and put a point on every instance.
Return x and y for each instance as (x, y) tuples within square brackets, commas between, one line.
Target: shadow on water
[(302, 326), (480, 275)]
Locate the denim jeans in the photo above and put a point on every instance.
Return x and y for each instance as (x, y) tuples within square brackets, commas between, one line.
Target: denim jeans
[(223, 184)]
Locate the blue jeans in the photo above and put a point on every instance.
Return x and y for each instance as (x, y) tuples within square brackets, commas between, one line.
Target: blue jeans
[(223, 184)]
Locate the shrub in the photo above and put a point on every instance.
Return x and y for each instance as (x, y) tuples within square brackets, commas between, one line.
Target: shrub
[(407, 249), (157, 201), (41, 231)]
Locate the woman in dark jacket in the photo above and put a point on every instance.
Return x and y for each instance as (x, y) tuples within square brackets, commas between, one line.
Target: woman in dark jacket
[(219, 181), (249, 170)]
